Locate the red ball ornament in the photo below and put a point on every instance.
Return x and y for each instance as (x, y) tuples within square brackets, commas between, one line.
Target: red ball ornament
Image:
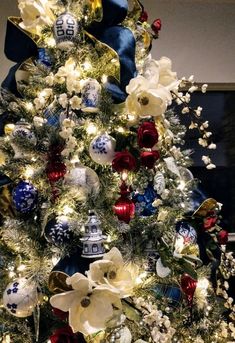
[(124, 207), (188, 286), (55, 171)]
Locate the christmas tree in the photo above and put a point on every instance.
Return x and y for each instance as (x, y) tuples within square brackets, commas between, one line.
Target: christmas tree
[(105, 235)]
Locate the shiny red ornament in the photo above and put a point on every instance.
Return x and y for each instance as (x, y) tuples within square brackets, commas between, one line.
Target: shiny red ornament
[(124, 207), (222, 237), (55, 171), (156, 26), (188, 286)]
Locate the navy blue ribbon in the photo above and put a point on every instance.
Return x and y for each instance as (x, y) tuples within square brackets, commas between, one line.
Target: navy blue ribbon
[(19, 46)]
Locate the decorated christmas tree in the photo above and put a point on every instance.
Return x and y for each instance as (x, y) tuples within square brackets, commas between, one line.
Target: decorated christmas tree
[(105, 234)]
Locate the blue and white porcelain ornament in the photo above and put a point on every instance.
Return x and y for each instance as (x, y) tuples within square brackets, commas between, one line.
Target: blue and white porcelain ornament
[(143, 201), (22, 131), (59, 230), (102, 149), (21, 297), (185, 230), (44, 58), (91, 92), (25, 197), (66, 29), (83, 177)]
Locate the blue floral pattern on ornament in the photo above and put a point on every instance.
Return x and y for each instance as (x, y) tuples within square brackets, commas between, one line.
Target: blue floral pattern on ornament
[(25, 197), (143, 202), (99, 146)]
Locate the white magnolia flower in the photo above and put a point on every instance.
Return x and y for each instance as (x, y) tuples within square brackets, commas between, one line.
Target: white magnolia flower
[(162, 215), (89, 307), (191, 78), (66, 133), (35, 14), (71, 73), (112, 271), (63, 100), (75, 102), (149, 102), (68, 123), (38, 121), (198, 111)]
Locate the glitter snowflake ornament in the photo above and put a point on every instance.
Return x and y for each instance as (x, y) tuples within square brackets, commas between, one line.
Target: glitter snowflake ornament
[(20, 298), (25, 197), (59, 230)]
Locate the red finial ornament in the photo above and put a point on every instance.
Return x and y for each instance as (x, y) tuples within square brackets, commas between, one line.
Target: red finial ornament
[(124, 207), (188, 286)]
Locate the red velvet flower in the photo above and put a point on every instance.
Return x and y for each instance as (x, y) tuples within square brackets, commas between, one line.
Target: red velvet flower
[(147, 135), (60, 314), (124, 161), (156, 26), (148, 158), (222, 237), (144, 16), (65, 335)]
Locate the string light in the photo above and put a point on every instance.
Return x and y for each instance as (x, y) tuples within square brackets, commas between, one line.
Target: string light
[(28, 106), (21, 268), (50, 42), (87, 65), (67, 210), (104, 78), (124, 176), (91, 129), (29, 172), (120, 129)]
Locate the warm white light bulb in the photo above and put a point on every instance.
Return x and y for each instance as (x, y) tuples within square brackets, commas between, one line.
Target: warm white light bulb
[(91, 129)]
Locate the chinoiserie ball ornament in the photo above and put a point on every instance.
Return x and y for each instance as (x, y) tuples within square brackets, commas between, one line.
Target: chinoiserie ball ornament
[(20, 297), (144, 201), (102, 149), (188, 232), (66, 29), (25, 197), (59, 230), (23, 130), (83, 177)]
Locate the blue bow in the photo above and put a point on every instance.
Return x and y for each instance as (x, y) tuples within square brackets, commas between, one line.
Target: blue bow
[(107, 31)]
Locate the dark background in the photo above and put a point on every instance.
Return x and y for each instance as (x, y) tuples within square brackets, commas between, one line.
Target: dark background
[(219, 110)]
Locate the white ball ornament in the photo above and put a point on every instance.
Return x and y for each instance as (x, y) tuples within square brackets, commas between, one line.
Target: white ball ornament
[(66, 29), (102, 149), (21, 297), (84, 177)]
